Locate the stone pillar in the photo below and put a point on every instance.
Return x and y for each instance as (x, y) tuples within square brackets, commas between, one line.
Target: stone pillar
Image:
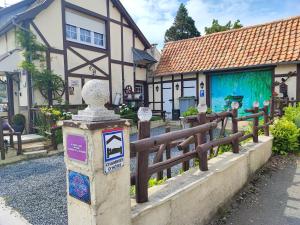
[(97, 157)]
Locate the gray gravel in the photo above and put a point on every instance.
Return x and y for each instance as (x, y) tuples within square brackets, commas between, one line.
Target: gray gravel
[(37, 188)]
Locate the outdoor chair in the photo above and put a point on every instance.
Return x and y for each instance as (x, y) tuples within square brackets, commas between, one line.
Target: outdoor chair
[(7, 130)]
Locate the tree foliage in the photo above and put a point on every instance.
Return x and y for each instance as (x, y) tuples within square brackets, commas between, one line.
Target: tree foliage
[(183, 26), (216, 27)]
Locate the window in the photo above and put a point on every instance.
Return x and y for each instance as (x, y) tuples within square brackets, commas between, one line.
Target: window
[(71, 32), (85, 35), (98, 39)]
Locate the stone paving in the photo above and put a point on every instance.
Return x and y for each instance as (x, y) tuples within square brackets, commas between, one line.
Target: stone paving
[(271, 198)]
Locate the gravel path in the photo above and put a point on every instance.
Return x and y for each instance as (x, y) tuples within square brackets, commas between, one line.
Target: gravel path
[(37, 188), (271, 198)]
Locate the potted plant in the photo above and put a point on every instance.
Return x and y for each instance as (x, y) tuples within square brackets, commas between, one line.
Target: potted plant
[(18, 122)]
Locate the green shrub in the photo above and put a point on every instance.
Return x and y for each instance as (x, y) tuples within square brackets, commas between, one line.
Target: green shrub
[(292, 113), (190, 112), (18, 119), (297, 121), (286, 135)]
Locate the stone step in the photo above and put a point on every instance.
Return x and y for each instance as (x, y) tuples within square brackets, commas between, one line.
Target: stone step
[(35, 146), (34, 154), (28, 138)]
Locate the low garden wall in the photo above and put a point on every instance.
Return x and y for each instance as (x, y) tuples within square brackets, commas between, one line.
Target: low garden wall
[(194, 197)]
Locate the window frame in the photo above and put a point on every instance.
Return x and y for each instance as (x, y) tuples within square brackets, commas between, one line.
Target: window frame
[(71, 32), (91, 36)]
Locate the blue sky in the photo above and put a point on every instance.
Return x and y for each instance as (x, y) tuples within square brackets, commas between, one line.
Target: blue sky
[(155, 16)]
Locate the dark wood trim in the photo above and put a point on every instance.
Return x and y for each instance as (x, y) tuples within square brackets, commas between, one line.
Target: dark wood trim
[(273, 82), (134, 65), (197, 89), (173, 93), (40, 34), (175, 80), (286, 75), (207, 81), (56, 51), (10, 97), (181, 85), (298, 83), (87, 63), (114, 61), (87, 47), (82, 84), (119, 23), (153, 93), (108, 46), (84, 76), (161, 94), (63, 12), (229, 70), (122, 58), (85, 11)]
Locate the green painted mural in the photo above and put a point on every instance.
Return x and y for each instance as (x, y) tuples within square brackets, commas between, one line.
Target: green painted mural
[(244, 87)]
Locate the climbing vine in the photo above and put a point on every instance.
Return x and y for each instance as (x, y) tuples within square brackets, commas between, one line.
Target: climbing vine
[(43, 79)]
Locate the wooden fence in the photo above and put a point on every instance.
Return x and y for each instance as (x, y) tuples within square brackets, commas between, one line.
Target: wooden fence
[(195, 136)]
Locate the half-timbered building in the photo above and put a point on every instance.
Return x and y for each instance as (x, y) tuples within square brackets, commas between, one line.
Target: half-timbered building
[(91, 39)]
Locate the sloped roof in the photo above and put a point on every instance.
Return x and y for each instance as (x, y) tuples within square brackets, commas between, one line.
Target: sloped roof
[(266, 44), (27, 9), (143, 57)]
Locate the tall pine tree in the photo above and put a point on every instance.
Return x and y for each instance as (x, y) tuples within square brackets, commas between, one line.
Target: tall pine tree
[(183, 26)]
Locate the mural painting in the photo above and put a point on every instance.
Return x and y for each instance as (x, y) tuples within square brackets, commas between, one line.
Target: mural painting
[(242, 87)]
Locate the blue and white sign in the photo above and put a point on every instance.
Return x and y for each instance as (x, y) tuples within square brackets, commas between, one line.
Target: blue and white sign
[(113, 145), (79, 186), (202, 93)]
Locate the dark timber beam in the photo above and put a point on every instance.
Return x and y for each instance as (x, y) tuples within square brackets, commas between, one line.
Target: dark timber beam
[(298, 83)]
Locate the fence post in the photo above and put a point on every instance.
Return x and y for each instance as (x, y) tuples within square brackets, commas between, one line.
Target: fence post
[(168, 154), (272, 107), (141, 186), (266, 120), (201, 138), (235, 129), (2, 140), (19, 140), (255, 125)]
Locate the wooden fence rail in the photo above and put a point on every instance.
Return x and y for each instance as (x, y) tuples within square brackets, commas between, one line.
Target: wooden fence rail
[(202, 124)]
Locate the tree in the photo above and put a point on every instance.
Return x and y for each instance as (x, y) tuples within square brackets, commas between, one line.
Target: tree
[(216, 27), (183, 26)]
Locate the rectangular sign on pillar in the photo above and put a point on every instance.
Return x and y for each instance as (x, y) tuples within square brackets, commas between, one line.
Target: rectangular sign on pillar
[(113, 146), (77, 148)]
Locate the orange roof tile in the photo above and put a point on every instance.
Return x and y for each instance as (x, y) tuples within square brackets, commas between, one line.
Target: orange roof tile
[(266, 44)]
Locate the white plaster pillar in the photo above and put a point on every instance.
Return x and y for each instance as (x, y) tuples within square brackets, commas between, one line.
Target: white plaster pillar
[(98, 170)]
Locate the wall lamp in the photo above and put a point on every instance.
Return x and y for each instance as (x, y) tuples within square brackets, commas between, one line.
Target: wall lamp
[(177, 86), (157, 88), (202, 85)]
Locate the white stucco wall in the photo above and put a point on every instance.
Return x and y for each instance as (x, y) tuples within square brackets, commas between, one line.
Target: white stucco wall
[(291, 82)]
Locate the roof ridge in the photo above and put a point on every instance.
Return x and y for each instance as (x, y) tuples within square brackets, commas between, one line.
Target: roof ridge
[(235, 30)]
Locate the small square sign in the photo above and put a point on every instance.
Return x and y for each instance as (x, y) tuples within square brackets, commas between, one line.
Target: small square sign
[(79, 187), (77, 148), (113, 145), (202, 93)]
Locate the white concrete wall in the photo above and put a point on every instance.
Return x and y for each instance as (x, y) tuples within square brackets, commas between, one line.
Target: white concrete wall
[(194, 197)]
